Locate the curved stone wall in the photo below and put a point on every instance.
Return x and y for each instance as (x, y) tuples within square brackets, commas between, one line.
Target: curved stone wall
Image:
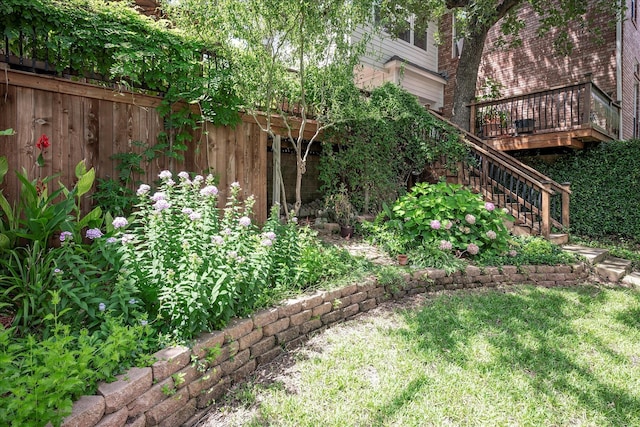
[(183, 382)]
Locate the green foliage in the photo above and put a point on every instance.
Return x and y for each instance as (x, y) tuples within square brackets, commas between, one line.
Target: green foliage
[(449, 217), (41, 377), (375, 155), (114, 40), (529, 250), (293, 59), (604, 200)]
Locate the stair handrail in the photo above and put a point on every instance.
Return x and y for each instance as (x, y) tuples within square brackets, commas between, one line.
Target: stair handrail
[(545, 185)]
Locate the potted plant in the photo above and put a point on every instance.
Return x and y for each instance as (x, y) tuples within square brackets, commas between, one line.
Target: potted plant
[(341, 208)]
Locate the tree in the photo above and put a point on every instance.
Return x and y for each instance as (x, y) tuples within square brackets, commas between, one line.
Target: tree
[(475, 18), (292, 60)]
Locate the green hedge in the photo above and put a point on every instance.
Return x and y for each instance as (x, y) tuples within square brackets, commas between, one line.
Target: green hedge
[(605, 185)]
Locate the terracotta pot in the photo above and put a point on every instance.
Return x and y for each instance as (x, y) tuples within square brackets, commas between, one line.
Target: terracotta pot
[(402, 259), (346, 231)]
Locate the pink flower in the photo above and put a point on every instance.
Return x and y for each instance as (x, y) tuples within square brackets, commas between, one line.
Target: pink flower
[(209, 190), (143, 189), (445, 245), (161, 205), (473, 249), (448, 225), (435, 224), (93, 233), (66, 235), (119, 222), (491, 234), (245, 221), (470, 219), (489, 206)]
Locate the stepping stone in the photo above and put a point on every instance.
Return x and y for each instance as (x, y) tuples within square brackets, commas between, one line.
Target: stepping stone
[(593, 255), (613, 269), (559, 238), (632, 279)]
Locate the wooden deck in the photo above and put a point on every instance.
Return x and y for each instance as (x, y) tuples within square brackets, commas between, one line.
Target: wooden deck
[(572, 116), (573, 138)]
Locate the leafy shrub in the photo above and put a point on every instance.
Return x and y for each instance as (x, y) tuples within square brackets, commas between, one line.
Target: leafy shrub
[(449, 217), (529, 250), (42, 376), (604, 200)]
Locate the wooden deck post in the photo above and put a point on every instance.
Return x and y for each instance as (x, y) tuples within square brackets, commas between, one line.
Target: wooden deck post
[(472, 120), (566, 195), (545, 228)]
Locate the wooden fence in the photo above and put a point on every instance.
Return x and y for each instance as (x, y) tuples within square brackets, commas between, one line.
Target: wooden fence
[(90, 123)]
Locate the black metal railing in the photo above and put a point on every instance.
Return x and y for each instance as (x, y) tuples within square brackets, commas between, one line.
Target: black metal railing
[(557, 109), (534, 200)]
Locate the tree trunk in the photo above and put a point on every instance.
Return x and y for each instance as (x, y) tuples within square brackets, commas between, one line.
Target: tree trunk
[(466, 76), (300, 170)]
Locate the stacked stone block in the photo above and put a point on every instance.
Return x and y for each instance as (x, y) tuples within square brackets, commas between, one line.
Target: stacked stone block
[(183, 382)]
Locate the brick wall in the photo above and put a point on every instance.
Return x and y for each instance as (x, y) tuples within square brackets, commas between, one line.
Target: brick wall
[(178, 389), (630, 56), (535, 65)]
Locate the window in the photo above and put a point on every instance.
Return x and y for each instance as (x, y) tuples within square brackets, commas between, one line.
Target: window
[(408, 35), (420, 40)]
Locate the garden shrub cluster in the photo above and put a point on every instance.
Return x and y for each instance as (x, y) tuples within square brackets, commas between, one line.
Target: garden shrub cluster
[(443, 225), (83, 298), (443, 217), (605, 188)]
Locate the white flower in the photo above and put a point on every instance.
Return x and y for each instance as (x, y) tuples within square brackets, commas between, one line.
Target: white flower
[(164, 175)]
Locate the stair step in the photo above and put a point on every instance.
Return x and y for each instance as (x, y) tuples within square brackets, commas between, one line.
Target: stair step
[(593, 255), (632, 279), (613, 269), (559, 238)]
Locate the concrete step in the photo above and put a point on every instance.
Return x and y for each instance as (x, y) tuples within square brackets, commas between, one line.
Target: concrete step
[(593, 255), (613, 269), (632, 279), (559, 238)]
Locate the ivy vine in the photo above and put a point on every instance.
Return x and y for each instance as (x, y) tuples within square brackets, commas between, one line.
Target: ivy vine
[(115, 42), (375, 155)]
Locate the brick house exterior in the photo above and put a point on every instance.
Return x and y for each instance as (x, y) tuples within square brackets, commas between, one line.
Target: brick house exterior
[(535, 66)]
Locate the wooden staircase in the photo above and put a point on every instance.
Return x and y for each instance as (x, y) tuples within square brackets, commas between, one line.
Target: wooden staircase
[(539, 205)]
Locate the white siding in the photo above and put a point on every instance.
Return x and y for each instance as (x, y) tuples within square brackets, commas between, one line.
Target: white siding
[(376, 68), (382, 47)]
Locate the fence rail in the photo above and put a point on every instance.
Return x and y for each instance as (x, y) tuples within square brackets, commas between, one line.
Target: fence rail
[(565, 108)]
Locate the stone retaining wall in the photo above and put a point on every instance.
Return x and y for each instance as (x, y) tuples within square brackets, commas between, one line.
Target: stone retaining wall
[(183, 382)]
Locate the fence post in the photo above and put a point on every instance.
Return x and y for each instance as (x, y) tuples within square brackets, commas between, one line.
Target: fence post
[(566, 186), (545, 228)]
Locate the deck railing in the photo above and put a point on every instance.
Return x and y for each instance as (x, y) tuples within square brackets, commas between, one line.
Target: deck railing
[(534, 200), (576, 106)]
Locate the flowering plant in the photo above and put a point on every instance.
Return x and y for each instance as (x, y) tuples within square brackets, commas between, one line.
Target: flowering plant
[(450, 218), (196, 265)]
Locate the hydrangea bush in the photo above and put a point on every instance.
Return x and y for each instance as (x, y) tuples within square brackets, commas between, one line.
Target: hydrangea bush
[(450, 218), (195, 265)]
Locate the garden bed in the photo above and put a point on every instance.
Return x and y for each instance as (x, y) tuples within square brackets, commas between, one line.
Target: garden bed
[(180, 386)]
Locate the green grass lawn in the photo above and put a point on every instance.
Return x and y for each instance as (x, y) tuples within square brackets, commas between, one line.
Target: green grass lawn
[(520, 357)]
